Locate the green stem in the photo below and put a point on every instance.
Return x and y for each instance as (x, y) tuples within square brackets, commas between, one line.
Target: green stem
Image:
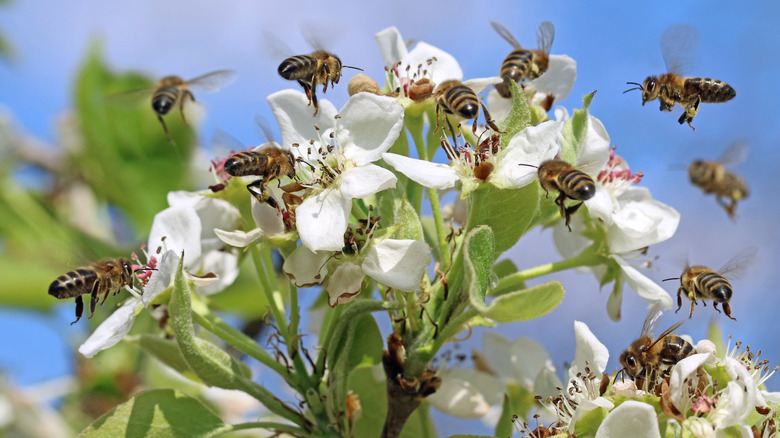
[(424, 416), (588, 257), (451, 329), (269, 425), (295, 311), (269, 290), (334, 318), (235, 338)]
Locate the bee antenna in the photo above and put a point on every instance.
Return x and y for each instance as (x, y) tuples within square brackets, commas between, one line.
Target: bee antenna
[(673, 278), (145, 269), (638, 87), (349, 66), (529, 165), (620, 371)]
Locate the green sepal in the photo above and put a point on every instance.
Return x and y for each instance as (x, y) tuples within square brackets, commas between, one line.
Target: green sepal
[(504, 425), (518, 118), (575, 131), (589, 423), (509, 212), (399, 217)]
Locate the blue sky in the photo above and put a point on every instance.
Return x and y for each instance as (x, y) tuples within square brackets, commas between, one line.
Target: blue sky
[(612, 43)]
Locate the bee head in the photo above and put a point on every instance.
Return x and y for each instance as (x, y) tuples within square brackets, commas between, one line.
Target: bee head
[(630, 365), (650, 89), (698, 171)]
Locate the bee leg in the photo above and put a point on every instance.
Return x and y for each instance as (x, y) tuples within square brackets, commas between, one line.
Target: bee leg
[(165, 127), (314, 100), (94, 298), (181, 105), (306, 89), (727, 311), (690, 112), (570, 211), (79, 309), (489, 120), (679, 300), (693, 303)]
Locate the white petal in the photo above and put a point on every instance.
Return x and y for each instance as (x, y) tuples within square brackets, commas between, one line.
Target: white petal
[(707, 346), (399, 264), (322, 220), (479, 84), (615, 300), (744, 397), (528, 358), (640, 221), (681, 371), (344, 283), (571, 243), (112, 330), (392, 45), (586, 406), (645, 287), (547, 383), (558, 80), (161, 278), (222, 264), (444, 67), (181, 230), (499, 106), (295, 116), (183, 198), (267, 218), (530, 146), (600, 205), (306, 268), (632, 418), (467, 393), (589, 350), (239, 238), (215, 213), (494, 351), (368, 125), (433, 175), (359, 182), (734, 405), (595, 150)]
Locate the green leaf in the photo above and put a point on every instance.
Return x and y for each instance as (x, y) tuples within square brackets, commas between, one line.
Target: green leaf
[(159, 413), (164, 350), (399, 216), (589, 423), (367, 345), (517, 119), (478, 251), (575, 131), (504, 425), (509, 212), (526, 304)]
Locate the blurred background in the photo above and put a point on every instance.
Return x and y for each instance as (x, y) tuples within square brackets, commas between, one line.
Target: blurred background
[(58, 58)]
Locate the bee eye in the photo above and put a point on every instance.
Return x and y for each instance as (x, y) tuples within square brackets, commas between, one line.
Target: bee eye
[(630, 361), (650, 85)]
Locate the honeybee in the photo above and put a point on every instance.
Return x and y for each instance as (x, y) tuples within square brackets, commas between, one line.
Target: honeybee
[(652, 358), (570, 183), (671, 87), (713, 177), (701, 282), (455, 98), (269, 163), (318, 67), (172, 91), (97, 279), (524, 63)]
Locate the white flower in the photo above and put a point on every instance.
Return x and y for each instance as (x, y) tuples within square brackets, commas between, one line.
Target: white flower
[(269, 225), (632, 418), (399, 264), (341, 148), (530, 146), (557, 81)]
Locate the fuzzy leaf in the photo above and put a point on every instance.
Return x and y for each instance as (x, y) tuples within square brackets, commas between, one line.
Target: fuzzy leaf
[(526, 304), (367, 345), (517, 119), (478, 251), (589, 423), (509, 212), (164, 350), (505, 425), (575, 131), (399, 216), (159, 413)]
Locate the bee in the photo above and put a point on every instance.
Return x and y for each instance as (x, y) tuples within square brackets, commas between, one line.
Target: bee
[(701, 282), (173, 91), (455, 98), (652, 358), (97, 279), (570, 183), (523, 63), (318, 67), (269, 163), (713, 177), (672, 88)]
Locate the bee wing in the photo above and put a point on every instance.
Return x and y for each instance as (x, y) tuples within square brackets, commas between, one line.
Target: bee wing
[(132, 98), (677, 44), (265, 129), (737, 265), (479, 84), (276, 48), (667, 331), (652, 318), (545, 34), (223, 143), (505, 34), (734, 154), (212, 81)]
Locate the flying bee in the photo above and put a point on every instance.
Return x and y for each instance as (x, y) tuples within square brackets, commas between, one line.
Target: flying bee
[(318, 67), (97, 279), (456, 98), (568, 181), (713, 177), (701, 282), (650, 358), (672, 88), (172, 91), (523, 63)]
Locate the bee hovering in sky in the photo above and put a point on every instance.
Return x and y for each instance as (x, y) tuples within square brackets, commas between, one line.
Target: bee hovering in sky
[(97, 279), (701, 282), (569, 182), (713, 177), (671, 88), (522, 63), (651, 358), (173, 91)]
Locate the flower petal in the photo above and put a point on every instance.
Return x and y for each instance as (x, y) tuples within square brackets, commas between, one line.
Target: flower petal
[(178, 229), (239, 238), (215, 213), (222, 264), (467, 393), (595, 149), (681, 371), (600, 205), (479, 84), (322, 220), (391, 45), (368, 125), (530, 146), (113, 329), (632, 418), (399, 264), (640, 221), (294, 116), (558, 80), (586, 406), (528, 359), (267, 218), (589, 350), (499, 106), (444, 67), (162, 277), (359, 182), (306, 268), (646, 288), (344, 283), (432, 175)]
